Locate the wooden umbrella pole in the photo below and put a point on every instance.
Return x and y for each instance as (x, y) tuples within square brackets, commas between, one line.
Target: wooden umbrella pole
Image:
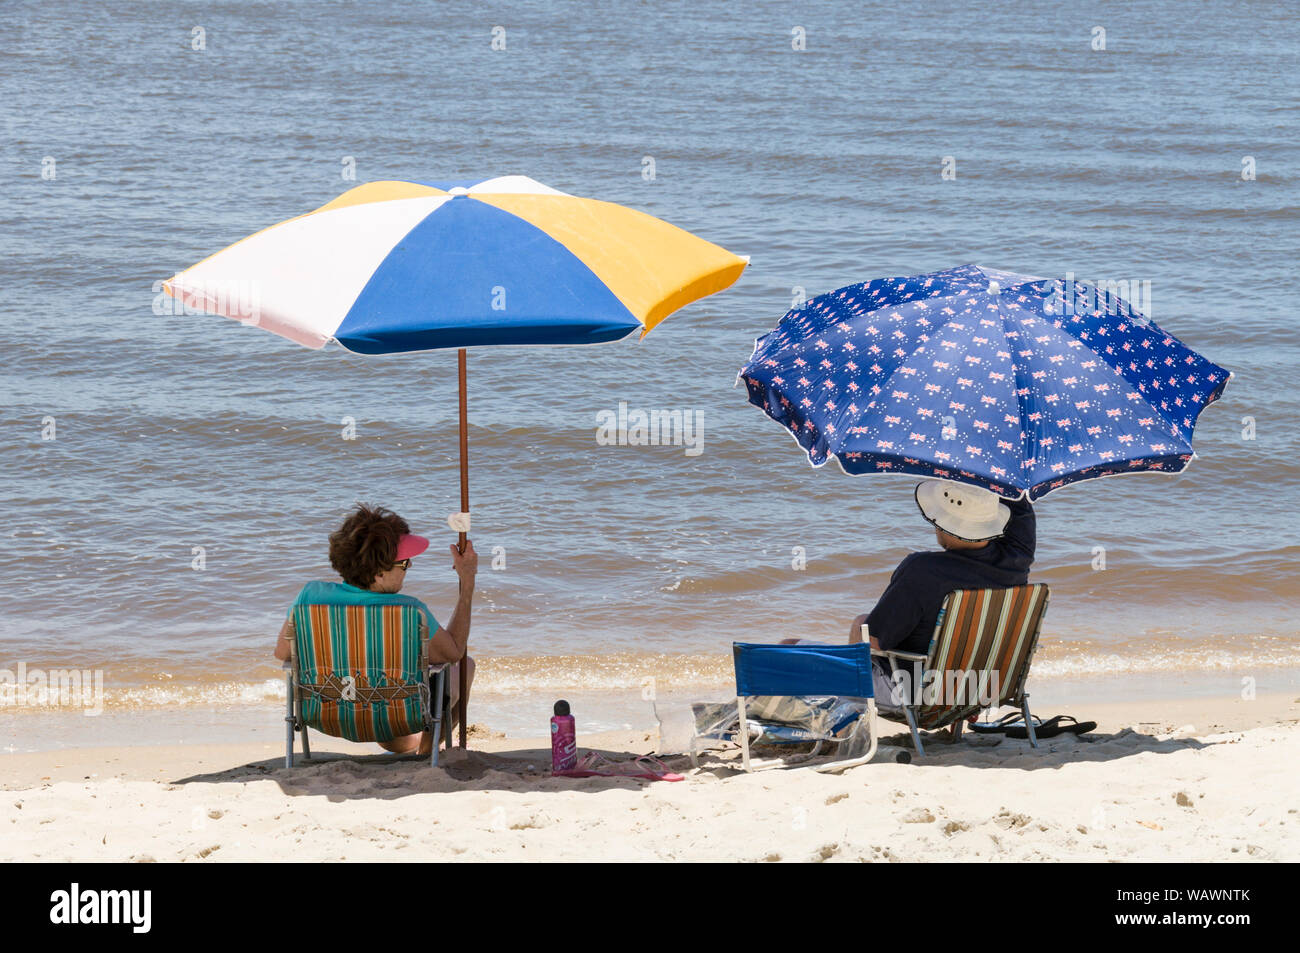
[(464, 538)]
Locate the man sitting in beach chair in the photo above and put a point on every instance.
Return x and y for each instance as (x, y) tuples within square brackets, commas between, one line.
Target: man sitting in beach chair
[(986, 544), (372, 551)]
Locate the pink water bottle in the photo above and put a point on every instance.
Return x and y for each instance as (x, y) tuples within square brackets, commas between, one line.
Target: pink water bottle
[(564, 739)]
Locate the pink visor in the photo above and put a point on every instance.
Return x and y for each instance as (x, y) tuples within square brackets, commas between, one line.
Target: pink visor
[(410, 545)]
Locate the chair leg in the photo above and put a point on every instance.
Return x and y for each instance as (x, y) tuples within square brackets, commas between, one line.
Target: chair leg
[(835, 767), (873, 729), (910, 712), (449, 741), (306, 748), (1029, 721), (288, 721), (436, 693), (744, 732), (957, 727)]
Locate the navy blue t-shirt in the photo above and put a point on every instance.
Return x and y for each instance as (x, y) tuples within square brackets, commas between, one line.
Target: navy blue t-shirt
[(905, 616)]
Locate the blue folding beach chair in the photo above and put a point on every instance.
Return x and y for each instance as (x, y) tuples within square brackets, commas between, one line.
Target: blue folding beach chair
[(779, 672)]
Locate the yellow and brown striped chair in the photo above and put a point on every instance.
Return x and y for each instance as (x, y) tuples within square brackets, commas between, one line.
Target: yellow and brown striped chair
[(979, 658), (361, 673)]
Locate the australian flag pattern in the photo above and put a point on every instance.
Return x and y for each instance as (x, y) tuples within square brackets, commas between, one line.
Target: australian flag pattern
[(1013, 383)]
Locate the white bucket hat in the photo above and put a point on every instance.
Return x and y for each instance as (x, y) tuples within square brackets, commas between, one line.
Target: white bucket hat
[(961, 510)]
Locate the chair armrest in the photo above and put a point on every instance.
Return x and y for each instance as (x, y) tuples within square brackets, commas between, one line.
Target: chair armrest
[(896, 654)]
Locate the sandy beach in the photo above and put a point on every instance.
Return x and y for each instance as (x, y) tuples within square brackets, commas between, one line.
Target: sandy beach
[(1181, 781)]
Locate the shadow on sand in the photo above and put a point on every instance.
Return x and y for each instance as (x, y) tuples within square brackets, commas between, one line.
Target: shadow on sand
[(339, 776)]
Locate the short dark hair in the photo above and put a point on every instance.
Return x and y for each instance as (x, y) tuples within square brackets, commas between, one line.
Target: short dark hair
[(366, 544)]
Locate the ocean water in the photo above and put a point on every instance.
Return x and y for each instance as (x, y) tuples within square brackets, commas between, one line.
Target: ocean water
[(180, 435)]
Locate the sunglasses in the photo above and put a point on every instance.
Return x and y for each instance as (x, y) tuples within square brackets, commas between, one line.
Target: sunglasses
[(402, 564)]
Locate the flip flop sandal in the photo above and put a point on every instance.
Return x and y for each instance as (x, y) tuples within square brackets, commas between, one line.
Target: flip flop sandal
[(1014, 727), (1001, 725), (594, 764), (1057, 726)]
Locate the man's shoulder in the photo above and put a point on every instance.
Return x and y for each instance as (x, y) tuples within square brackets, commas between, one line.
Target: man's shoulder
[(928, 570), (921, 563)]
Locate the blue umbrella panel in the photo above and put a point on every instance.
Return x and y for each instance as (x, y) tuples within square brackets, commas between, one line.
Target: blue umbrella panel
[(1017, 384)]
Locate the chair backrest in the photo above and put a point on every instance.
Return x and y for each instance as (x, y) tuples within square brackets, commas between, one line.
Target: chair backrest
[(358, 670), (803, 669), (980, 654)]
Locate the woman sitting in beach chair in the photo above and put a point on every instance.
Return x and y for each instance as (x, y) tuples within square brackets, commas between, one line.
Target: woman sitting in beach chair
[(372, 551)]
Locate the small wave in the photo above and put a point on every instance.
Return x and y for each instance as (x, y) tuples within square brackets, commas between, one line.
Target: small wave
[(736, 582), (35, 699), (1114, 663)]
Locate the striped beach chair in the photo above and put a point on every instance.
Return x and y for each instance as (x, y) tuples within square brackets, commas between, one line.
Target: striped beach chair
[(979, 656), (360, 673)]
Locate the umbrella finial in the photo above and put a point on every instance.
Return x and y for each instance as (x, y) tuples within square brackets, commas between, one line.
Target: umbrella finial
[(994, 288)]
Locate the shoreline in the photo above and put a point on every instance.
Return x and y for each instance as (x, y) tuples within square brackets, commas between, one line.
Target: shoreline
[(524, 714)]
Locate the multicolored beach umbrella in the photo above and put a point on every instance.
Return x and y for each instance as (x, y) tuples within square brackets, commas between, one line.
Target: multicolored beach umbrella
[(1013, 383), (410, 266)]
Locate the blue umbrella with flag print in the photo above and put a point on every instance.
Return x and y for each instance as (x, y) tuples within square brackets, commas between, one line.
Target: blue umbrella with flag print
[(398, 266), (1012, 383)]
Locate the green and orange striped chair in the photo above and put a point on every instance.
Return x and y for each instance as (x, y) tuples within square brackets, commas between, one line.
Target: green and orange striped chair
[(361, 673), (979, 658)]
